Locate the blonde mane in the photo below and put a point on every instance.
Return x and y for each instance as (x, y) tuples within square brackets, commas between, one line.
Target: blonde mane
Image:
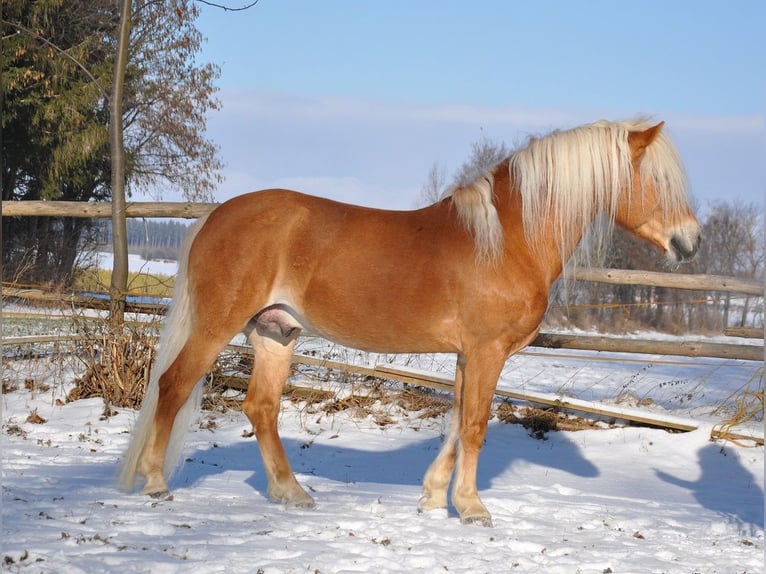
[(568, 178)]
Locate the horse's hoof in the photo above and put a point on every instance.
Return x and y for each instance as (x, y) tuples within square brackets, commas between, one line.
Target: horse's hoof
[(299, 500), (479, 520), (427, 503), (158, 494), (302, 501)]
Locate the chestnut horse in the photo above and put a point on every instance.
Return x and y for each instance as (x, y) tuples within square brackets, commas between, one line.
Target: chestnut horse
[(468, 275)]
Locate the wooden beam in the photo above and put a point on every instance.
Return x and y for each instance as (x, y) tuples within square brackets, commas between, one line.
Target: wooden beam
[(744, 332), (103, 209), (735, 436), (427, 379), (98, 303), (544, 340), (434, 381), (431, 380), (650, 347), (697, 282), (36, 339)]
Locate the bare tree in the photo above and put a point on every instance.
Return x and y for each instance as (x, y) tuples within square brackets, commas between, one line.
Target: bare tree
[(166, 107), (733, 245), (433, 188), (119, 281), (485, 154)]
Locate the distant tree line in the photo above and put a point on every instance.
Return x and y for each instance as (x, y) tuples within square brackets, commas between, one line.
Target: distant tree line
[(151, 239), (732, 245)]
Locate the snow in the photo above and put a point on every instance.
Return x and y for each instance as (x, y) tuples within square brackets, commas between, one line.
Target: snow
[(618, 499), (136, 263)]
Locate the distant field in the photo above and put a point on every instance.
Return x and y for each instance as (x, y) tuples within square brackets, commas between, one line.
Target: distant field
[(139, 283)]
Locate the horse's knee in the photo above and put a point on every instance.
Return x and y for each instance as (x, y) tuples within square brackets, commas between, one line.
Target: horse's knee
[(261, 406)]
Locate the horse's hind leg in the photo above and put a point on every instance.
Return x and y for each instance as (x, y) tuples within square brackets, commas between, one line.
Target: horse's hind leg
[(437, 478), (175, 388), (271, 367)]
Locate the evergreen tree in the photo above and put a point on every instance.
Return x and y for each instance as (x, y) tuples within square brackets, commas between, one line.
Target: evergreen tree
[(57, 64)]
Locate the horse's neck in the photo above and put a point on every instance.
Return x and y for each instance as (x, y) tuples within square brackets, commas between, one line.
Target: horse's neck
[(543, 243)]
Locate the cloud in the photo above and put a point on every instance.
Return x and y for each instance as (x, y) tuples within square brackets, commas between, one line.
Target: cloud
[(253, 104)]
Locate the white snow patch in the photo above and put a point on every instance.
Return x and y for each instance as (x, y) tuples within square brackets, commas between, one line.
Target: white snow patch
[(625, 499)]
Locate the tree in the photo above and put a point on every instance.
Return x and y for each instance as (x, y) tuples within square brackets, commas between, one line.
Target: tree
[(168, 97), (732, 244), (485, 154), (55, 65), (58, 58), (434, 185), (119, 281)]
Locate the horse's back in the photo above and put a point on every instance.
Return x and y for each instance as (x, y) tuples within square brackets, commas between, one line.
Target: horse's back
[(341, 268)]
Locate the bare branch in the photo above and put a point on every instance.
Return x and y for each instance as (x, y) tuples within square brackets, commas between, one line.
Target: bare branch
[(226, 8)]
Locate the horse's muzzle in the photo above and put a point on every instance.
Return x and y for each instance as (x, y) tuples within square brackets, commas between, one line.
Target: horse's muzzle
[(684, 247)]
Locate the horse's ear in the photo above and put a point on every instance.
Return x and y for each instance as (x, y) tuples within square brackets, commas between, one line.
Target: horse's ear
[(640, 140)]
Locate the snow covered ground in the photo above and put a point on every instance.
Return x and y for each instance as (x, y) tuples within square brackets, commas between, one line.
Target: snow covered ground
[(618, 499), (105, 260), (612, 500)]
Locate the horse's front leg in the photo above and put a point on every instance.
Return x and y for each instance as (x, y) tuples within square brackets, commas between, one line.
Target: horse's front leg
[(481, 371)]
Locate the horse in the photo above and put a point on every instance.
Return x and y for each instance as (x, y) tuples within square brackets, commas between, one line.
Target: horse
[(469, 275)]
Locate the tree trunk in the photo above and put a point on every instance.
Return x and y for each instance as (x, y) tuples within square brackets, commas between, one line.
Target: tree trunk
[(119, 283)]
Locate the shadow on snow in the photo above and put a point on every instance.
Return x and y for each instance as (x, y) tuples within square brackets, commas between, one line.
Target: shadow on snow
[(722, 475), (405, 465)]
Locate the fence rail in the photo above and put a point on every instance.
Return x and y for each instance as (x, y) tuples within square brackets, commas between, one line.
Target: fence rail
[(696, 282), (550, 340), (103, 209), (420, 378)]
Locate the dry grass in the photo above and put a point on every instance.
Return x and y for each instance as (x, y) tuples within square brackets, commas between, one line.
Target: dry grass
[(539, 422), (309, 396), (139, 283), (748, 406), (426, 402), (381, 400)]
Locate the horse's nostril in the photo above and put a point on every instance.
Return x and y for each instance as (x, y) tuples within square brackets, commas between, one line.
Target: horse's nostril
[(684, 250)]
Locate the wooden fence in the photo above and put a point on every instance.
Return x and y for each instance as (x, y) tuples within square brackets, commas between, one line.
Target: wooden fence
[(420, 378), (550, 340)]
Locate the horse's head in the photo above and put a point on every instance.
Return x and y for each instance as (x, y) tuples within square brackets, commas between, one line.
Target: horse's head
[(657, 208)]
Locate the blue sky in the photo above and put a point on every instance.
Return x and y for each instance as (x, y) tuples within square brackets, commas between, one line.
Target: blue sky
[(357, 100)]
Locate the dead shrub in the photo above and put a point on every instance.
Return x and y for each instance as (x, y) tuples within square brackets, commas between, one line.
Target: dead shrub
[(428, 403), (16, 430), (359, 404), (118, 362), (539, 422), (9, 387), (309, 395), (35, 419)]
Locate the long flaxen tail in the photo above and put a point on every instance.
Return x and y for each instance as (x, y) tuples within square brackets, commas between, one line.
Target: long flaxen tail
[(174, 334)]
